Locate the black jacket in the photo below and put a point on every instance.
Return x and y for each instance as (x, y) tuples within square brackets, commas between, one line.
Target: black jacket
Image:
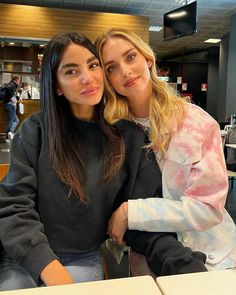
[(10, 91)]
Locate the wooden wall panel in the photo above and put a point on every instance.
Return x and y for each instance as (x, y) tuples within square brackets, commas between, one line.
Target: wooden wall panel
[(42, 22)]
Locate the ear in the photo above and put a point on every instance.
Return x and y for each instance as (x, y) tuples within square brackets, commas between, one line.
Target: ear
[(59, 91), (149, 63)]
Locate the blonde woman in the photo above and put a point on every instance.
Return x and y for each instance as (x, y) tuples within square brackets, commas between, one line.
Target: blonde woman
[(187, 144)]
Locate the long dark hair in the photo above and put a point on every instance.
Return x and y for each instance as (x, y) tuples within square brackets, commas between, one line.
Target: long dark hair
[(66, 153)]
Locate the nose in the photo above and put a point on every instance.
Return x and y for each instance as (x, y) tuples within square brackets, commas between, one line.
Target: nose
[(125, 69), (85, 77)]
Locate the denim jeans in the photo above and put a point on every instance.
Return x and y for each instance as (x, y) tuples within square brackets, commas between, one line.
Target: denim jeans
[(12, 119), (83, 267)]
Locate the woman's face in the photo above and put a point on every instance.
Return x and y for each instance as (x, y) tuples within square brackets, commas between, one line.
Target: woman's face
[(126, 68), (80, 80)]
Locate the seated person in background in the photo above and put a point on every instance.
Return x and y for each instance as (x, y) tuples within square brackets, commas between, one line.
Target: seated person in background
[(164, 71), (69, 169)]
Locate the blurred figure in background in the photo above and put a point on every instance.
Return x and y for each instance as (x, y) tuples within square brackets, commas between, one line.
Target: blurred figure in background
[(10, 102)]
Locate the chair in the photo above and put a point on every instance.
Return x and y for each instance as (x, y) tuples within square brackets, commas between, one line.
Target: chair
[(227, 127), (231, 176), (3, 170)]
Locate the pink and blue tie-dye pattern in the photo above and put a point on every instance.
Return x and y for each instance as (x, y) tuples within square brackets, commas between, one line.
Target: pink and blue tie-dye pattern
[(195, 187)]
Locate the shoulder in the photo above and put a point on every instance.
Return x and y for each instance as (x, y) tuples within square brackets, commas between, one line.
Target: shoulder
[(31, 129), (12, 84), (129, 129), (197, 127), (197, 116)]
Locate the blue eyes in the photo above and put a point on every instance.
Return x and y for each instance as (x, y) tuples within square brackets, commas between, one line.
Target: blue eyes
[(114, 67), (111, 68), (131, 57)]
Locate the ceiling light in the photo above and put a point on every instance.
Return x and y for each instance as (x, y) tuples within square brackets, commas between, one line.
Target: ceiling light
[(11, 43), (212, 40), (177, 14), (184, 1), (155, 28)]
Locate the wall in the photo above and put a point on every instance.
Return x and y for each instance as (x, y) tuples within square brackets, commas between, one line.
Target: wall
[(227, 74), (223, 67), (230, 107), (212, 81), (194, 73), (42, 22)]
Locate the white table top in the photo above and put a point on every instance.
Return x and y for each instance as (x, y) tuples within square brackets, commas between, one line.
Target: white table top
[(232, 145), (128, 286), (221, 282)]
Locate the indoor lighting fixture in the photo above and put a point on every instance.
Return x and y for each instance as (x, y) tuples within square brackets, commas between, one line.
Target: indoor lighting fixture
[(184, 1), (177, 14), (11, 43), (155, 28), (212, 40)]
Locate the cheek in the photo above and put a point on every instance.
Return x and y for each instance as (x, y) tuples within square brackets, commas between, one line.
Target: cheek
[(115, 82)]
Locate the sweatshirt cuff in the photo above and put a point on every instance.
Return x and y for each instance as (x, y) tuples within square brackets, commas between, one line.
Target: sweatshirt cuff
[(133, 215), (37, 258)]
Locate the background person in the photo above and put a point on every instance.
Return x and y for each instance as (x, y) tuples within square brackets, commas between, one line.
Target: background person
[(164, 71), (10, 106), (188, 149), (25, 91)]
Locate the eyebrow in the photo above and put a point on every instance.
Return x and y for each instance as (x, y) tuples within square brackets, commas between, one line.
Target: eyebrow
[(75, 65), (123, 54)]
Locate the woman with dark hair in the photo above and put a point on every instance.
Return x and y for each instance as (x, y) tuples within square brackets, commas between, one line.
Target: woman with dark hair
[(69, 170), (63, 181)]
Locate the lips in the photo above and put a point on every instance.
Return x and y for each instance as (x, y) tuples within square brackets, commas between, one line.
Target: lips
[(130, 82), (89, 91)]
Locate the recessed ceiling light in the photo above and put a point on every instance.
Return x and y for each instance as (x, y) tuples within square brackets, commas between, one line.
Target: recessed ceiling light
[(212, 40), (155, 28), (184, 1)]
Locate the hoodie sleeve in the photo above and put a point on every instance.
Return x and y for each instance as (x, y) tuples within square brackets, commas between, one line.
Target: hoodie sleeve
[(22, 233)]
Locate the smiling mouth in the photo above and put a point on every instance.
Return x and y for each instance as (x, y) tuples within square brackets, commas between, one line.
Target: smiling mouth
[(130, 82), (90, 91)]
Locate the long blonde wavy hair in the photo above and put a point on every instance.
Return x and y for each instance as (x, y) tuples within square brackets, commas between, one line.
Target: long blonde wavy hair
[(165, 107)]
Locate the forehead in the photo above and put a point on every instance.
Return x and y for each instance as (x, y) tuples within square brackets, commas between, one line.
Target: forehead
[(75, 53), (115, 46)]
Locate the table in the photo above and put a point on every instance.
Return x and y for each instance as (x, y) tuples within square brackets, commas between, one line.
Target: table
[(128, 286), (220, 282), (231, 145)]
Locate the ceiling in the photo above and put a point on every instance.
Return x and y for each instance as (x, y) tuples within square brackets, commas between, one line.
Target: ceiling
[(213, 18)]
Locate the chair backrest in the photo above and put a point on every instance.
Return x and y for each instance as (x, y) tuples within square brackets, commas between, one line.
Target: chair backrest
[(3, 170), (227, 127)]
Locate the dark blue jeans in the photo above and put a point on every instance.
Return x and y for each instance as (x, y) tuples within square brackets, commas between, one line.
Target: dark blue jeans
[(12, 119)]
